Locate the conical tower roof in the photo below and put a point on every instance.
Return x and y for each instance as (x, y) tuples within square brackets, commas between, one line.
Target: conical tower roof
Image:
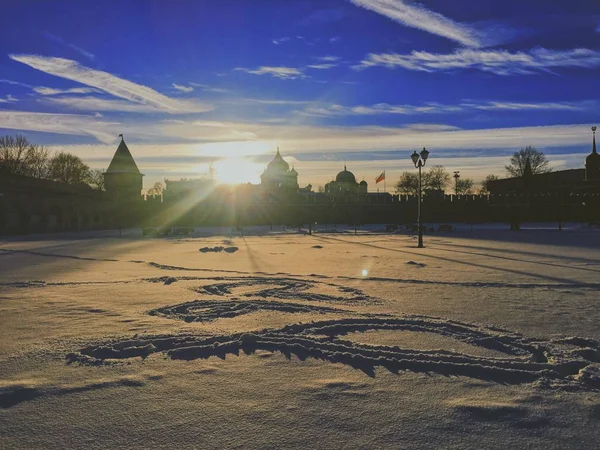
[(123, 162)]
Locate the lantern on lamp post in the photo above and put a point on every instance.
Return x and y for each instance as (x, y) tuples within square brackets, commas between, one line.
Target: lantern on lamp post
[(419, 160)]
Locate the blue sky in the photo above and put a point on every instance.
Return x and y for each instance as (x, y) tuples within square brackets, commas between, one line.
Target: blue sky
[(362, 81)]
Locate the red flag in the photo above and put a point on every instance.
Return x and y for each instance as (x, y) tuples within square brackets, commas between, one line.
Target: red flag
[(380, 177)]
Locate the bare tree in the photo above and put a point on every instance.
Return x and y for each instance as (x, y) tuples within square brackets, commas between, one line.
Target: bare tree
[(464, 186), (37, 161), (18, 156), (13, 154), (485, 189), (434, 179), (68, 168), (538, 160), (408, 183), (96, 179)]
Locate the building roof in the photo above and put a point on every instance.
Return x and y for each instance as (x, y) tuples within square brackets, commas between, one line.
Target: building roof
[(560, 180), (345, 176), (123, 162)]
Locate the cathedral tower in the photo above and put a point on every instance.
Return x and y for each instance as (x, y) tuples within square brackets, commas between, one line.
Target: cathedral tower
[(123, 179)]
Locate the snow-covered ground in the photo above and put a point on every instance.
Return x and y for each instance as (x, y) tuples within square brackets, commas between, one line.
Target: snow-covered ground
[(486, 338)]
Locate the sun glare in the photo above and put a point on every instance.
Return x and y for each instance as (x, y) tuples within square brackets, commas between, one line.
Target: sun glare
[(237, 170), (236, 149)]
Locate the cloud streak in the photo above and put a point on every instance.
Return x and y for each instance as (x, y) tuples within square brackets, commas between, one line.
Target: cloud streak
[(292, 73), (322, 66), (70, 124), (438, 108), (284, 73), (87, 103), (15, 83), (208, 88), (42, 90), (181, 88), (111, 84), (81, 51), (8, 99), (499, 62), (416, 16)]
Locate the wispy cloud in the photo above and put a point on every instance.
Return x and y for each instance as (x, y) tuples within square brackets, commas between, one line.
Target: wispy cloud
[(417, 16), (281, 40), (441, 139), (71, 124), (500, 62), (328, 58), (118, 87), (9, 99), (326, 62), (285, 73), (542, 106), (15, 83), (208, 88), (181, 88), (58, 39), (380, 108), (438, 108), (200, 138), (292, 73), (322, 66), (42, 90), (301, 39), (98, 104)]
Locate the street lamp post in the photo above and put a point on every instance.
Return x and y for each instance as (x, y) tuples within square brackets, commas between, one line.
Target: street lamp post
[(456, 177), (419, 161)]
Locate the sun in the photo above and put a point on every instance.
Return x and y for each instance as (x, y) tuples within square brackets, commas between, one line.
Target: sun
[(237, 171)]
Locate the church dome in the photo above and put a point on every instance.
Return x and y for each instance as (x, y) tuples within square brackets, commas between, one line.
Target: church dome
[(345, 177), (593, 158), (363, 183), (278, 163)]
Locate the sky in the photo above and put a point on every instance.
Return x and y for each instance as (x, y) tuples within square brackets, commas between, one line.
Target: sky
[(331, 82)]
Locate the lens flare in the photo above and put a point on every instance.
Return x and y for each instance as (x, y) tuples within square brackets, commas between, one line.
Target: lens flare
[(365, 272)]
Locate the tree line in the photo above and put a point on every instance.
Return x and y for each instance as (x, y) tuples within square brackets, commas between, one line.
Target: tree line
[(436, 179), (18, 156)]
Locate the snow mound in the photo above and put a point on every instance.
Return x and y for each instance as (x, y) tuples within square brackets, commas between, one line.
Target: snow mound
[(219, 249), (414, 263)]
